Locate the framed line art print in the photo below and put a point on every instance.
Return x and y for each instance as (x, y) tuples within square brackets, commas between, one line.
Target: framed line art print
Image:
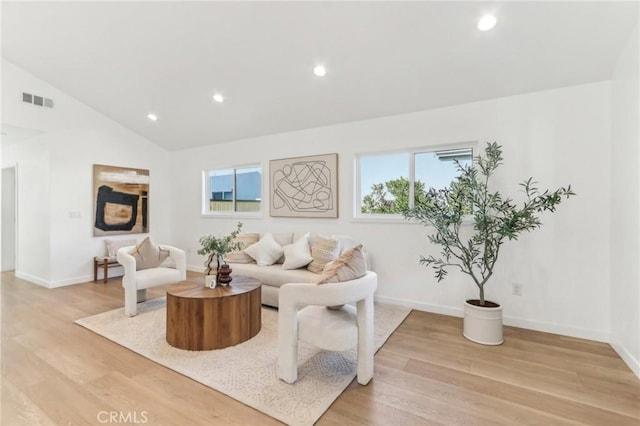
[(304, 186)]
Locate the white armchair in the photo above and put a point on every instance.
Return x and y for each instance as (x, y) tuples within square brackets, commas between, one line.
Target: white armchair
[(329, 329), (136, 282)]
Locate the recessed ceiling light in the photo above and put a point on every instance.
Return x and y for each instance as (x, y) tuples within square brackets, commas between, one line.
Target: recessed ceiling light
[(218, 98), (320, 70), (152, 117), (487, 22)]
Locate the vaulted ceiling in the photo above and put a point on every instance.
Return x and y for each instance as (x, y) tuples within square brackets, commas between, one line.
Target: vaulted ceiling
[(129, 59)]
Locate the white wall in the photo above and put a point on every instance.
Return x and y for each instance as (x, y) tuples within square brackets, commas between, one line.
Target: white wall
[(559, 137), (625, 206), (57, 165)]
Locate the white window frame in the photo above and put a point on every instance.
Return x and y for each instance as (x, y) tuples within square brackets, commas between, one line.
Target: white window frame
[(206, 192), (380, 217)]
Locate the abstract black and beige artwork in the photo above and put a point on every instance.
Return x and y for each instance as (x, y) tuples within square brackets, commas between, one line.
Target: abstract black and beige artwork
[(121, 200), (304, 186)]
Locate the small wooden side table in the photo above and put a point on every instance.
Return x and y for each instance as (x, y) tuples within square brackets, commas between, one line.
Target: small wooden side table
[(105, 263), (201, 318)]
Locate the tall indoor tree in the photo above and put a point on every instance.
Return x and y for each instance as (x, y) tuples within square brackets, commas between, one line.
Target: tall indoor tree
[(495, 219)]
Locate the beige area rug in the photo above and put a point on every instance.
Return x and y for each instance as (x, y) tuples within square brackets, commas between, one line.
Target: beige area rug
[(247, 372)]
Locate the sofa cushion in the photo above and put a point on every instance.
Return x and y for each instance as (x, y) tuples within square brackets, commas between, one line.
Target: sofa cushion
[(323, 251), (101, 259), (238, 256), (349, 266), (274, 275), (298, 254), (266, 251), (157, 276), (148, 254)]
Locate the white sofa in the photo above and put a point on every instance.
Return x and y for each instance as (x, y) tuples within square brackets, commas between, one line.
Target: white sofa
[(274, 276)]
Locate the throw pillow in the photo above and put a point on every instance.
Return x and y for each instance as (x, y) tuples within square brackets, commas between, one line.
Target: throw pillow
[(323, 251), (238, 256), (298, 254), (148, 254), (349, 266), (114, 245), (345, 242), (266, 251), (283, 238)]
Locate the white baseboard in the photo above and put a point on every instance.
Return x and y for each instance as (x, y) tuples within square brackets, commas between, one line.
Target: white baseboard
[(59, 283), (511, 321), (547, 327), (627, 357), (32, 279), (71, 281), (426, 307)]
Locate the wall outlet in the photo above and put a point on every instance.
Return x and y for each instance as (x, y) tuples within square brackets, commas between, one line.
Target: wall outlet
[(74, 215), (516, 289)]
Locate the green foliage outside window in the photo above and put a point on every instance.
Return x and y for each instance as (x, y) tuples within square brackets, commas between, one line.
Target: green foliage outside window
[(392, 197), (389, 197)]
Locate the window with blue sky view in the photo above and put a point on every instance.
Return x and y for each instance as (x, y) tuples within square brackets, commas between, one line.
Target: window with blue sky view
[(386, 180)]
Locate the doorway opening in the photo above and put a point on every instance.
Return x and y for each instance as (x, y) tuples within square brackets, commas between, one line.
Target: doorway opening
[(8, 230)]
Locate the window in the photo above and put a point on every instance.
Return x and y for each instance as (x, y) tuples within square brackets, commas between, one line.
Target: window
[(389, 183), (234, 190)]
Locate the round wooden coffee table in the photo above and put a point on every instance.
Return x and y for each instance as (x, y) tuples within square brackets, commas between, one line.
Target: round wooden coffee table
[(201, 318)]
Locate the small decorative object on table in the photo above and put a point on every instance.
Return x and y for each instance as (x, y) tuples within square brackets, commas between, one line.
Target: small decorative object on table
[(210, 281), (218, 247), (224, 275)]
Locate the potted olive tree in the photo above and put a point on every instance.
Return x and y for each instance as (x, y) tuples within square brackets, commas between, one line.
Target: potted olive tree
[(474, 250)]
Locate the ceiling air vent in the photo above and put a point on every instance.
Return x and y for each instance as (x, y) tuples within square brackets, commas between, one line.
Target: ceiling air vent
[(37, 100)]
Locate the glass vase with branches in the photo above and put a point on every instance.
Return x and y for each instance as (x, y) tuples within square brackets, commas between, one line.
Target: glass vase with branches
[(217, 247)]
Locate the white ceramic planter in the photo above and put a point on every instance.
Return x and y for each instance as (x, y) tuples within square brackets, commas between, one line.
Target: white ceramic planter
[(483, 324)]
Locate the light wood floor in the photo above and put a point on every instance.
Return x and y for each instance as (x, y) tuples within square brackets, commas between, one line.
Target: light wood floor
[(57, 373)]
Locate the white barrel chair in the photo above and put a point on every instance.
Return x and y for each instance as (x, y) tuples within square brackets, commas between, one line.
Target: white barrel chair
[(136, 282), (328, 329)]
